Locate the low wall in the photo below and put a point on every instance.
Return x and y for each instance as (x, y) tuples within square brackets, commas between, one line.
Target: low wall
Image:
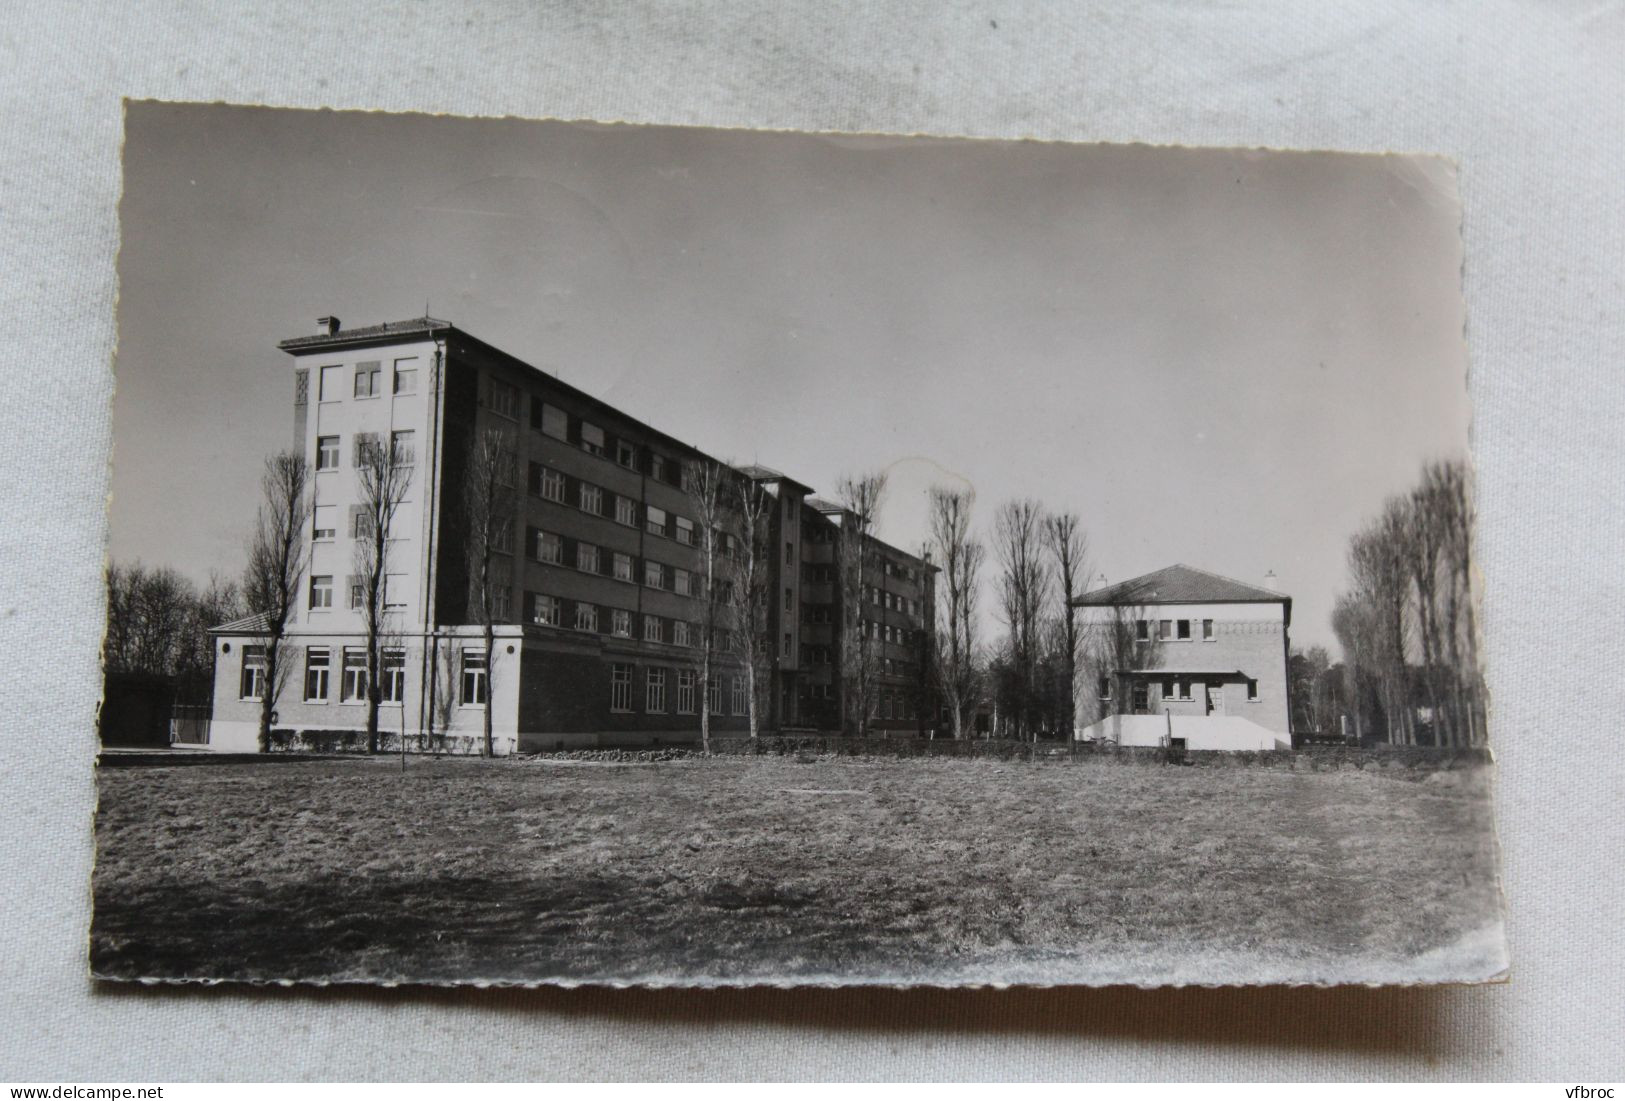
[(287, 740)]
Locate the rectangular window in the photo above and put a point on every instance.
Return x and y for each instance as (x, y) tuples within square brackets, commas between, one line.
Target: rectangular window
[(1252, 690), (1105, 689), (366, 379), (1142, 698), (401, 446), (548, 547), (591, 499), (626, 455), (620, 688), (654, 575), (552, 485), (787, 644), (620, 621), (623, 567), (353, 686), (626, 511), (555, 423), (1184, 627), (327, 452), (504, 400), (544, 609), (252, 684), (397, 588), (684, 531), (1142, 630), (738, 696), (681, 633), (685, 692), (474, 683), (789, 554), (393, 681), (652, 631), (654, 520), (587, 557), (713, 695), (321, 590), (406, 376), (1170, 691), (682, 582), (329, 383), (789, 598), (501, 612), (657, 467), (587, 617), (1207, 630), (358, 594), (1165, 629), (316, 670), (592, 439), (324, 522), (654, 696)]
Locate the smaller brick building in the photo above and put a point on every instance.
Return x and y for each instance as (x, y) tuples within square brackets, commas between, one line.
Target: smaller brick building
[(1186, 657)]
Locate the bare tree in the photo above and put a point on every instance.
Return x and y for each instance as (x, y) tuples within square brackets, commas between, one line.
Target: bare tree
[(857, 558), (278, 554), (960, 555), (383, 475), (1381, 580), (706, 482), (1023, 587), (748, 591), (1069, 547), (1447, 491), (488, 520), (148, 614), (443, 674)]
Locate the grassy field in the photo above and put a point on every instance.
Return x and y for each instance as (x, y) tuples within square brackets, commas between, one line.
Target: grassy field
[(759, 870)]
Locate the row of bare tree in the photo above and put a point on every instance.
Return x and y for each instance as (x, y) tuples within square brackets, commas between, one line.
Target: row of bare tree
[(1028, 677), (1407, 623), (158, 625)]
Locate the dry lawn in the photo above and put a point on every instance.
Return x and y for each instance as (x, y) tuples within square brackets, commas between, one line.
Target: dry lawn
[(744, 870)]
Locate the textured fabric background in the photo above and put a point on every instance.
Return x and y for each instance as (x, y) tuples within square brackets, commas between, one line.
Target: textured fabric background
[(1530, 98)]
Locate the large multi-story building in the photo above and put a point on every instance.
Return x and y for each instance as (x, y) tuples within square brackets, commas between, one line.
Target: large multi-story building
[(599, 596)]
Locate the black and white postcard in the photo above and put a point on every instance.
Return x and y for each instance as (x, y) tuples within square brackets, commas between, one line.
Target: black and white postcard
[(565, 552)]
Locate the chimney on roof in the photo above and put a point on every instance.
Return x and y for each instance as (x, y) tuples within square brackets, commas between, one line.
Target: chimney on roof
[(327, 326), (1271, 582)]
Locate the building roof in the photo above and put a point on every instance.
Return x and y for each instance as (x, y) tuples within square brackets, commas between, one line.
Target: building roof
[(1180, 584), (385, 332), (756, 472), (248, 625)]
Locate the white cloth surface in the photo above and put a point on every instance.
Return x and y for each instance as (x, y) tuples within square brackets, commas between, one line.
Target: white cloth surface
[(1529, 97)]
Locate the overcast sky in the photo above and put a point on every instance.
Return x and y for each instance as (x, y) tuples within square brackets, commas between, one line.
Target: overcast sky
[(1224, 358)]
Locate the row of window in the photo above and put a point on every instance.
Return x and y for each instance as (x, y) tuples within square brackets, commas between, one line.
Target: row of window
[(561, 425), (353, 675), (367, 380), (402, 445), (557, 550), (686, 683), (1172, 630), (1174, 689), (397, 587), (551, 484), (551, 611)]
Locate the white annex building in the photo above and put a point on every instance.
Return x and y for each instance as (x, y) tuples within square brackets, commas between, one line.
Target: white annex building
[(1188, 659)]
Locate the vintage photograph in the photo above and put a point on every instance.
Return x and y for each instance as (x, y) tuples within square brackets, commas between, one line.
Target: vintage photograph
[(568, 552)]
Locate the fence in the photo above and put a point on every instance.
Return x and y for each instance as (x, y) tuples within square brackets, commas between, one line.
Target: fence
[(189, 724)]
